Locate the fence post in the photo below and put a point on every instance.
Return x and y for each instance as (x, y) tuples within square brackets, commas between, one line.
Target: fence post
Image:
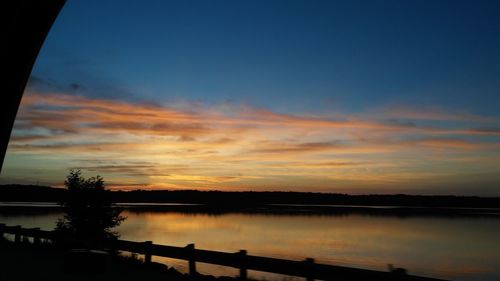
[(147, 252), (192, 260), (36, 236), (309, 262), (243, 267), (17, 234)]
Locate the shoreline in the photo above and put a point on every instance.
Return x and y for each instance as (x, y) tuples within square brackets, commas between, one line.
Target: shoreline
[(268, 209)]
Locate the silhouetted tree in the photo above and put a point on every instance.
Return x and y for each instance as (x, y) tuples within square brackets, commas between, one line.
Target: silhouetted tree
[(89, 214)]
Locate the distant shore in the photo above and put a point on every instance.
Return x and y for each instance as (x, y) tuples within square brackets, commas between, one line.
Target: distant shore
[(43, 198), (28, 208)]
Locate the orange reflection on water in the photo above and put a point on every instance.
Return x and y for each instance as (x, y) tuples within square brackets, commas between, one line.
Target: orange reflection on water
[(449, 248), (438, 247)]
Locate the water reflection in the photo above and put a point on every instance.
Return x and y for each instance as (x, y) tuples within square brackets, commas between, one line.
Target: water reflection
[(451, 248)]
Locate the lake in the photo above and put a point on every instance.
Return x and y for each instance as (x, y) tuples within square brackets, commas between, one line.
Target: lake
[(456, 248)]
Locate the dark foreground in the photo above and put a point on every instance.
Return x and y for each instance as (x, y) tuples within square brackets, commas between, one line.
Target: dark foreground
[(22, 262), (25, 262)]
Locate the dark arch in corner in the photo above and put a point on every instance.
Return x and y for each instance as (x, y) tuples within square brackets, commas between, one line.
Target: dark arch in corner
[(25, 26)]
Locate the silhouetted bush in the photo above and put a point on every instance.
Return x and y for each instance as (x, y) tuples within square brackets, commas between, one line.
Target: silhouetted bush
[(89, 214)]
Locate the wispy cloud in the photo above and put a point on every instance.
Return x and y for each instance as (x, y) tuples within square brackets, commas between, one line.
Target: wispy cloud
[(236, 146), (294, 148)]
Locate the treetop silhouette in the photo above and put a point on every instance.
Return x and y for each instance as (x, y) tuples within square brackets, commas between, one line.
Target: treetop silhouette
[(89, 213)]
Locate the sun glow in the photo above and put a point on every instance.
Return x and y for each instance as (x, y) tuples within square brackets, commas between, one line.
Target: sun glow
[(239, 147)]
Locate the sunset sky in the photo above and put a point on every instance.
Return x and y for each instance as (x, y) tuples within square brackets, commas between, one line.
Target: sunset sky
[(330, 96)]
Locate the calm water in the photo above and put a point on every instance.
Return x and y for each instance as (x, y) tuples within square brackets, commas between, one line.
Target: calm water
[(451, 248)]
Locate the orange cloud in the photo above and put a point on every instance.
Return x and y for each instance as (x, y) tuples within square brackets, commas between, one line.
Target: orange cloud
[(135, 144)]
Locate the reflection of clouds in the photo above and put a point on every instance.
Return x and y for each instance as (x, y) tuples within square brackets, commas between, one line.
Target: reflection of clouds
[(426, 246), (158, 224), (240, 147), (452, 249)]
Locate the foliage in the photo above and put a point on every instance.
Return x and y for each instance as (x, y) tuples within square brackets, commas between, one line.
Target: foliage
[(89, 213)]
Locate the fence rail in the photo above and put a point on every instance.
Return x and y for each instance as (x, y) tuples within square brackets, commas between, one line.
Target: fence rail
[(240, 260)]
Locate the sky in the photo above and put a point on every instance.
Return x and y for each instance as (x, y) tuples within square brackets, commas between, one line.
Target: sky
[(322, 96)]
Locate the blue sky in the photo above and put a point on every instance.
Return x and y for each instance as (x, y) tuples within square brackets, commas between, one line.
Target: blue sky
[(412, 84), (292, 55)]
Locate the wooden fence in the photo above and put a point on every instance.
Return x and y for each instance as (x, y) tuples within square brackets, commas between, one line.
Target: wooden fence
[(240, 260)]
